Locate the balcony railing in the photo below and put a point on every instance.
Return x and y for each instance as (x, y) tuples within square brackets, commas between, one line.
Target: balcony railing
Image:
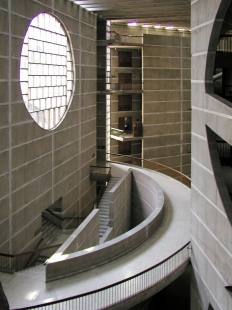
[(123, 290), (122, 135), (112, 87), (100, 173), (115, 37), (225, 44), (11, 263), (152, 165)]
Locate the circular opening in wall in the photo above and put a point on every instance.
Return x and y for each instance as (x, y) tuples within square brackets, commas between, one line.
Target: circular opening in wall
[(47, 71)]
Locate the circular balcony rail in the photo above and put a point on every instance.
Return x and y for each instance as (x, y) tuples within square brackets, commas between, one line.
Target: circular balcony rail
[(121, 291), (152, 165)]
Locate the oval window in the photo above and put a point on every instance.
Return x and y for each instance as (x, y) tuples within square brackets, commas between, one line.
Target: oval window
[(47, 71)]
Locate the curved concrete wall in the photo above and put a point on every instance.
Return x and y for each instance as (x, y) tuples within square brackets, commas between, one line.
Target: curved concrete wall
[(211, 230), (120, 206), (63, 266)]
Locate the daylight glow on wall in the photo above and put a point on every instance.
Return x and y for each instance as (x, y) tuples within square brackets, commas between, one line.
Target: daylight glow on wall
[(46, 71)]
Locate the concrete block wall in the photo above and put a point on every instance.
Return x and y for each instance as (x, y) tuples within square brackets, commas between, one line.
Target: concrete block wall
[(211, 232), (166, 101), (40, 166), (101, 127), (120, 205), (135, 69)]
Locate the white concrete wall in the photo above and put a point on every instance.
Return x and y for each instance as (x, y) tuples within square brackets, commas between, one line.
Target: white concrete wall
[(38, 166), (85, 236), (211, 232), (166, 101), (120, 205)]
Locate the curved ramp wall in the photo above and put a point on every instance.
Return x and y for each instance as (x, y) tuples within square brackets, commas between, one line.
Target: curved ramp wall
[(60, 266)]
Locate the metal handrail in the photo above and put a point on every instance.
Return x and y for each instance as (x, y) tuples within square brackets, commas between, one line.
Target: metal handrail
[(103, 187), (123, 133), (9, 262), (111, 86), (65, 217), (149, 164), (122, 290)]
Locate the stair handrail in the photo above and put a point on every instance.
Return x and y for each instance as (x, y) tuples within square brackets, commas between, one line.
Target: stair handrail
[(11, 265), (99, 196), (103, 187), (167, 265), (66, 217), (183, 178)]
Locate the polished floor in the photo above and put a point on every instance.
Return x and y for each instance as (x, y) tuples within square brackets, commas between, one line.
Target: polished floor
[(29, 288)]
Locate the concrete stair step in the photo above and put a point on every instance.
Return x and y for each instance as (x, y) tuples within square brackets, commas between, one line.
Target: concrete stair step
[(104, 207)]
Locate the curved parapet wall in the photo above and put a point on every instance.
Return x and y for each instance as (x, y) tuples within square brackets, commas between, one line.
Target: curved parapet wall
[(59, 266)]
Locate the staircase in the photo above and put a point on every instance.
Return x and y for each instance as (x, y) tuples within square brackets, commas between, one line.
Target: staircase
[(49, 231), (104, 207), (49, 234)]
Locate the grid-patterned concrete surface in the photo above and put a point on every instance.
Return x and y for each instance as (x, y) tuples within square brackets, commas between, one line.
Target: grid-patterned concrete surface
[(28, 287)]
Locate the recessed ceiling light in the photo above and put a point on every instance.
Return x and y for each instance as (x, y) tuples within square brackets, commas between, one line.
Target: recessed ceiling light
[(157, 26), (132, 24), (146, 25), (169, 27)]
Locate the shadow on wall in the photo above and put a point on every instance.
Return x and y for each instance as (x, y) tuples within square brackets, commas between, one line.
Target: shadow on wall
[(221, 159), (221, 45)]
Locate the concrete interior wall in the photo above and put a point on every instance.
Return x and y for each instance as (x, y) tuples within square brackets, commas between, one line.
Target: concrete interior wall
[(120, 206), (166, 101), (211, 234), (40, 166)]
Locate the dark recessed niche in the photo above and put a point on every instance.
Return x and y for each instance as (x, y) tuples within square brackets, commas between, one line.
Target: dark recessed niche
[(210, 307), (221, 159), (219, 61)]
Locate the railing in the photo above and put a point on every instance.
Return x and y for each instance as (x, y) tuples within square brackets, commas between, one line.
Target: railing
[(98, 173), (225, 44), (123, 290), (125, 133), (225, 152), (115, 36), (7, 262), (152, 165), (99, 196), (134, 86), (11, 263), (60, 221), (123, 38)]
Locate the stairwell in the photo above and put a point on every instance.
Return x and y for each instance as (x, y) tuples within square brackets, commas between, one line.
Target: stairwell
[(49, 234), (104, 207)]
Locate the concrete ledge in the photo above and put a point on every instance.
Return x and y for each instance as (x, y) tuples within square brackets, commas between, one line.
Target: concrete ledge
[(61, 266), (120, 205), (86, 235), (108, 235)]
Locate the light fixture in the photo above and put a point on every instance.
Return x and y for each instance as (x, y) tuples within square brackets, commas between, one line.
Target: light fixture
[(132, 24), (146, 25), (181, 29), (169, 27), (157, 26)]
